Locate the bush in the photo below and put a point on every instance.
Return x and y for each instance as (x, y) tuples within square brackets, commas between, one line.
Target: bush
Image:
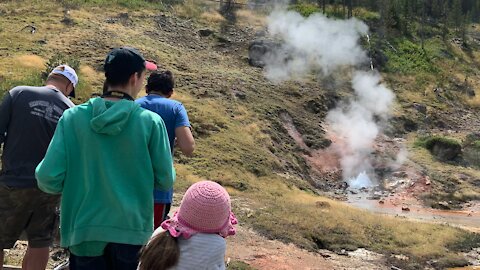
[(75, 4), (450, 261), (305, 9), (471, 146), (238, 265), (409, 58), (441, 147), (30, 79), (60, 59)]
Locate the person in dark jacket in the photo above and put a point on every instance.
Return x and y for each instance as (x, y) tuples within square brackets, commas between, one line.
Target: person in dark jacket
[(28, 119)]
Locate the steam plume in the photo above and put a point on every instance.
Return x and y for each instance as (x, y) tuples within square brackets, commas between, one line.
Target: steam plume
[(321, 45), (316, 43)]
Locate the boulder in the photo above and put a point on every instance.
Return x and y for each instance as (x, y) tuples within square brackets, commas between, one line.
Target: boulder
[(258, 50), (444, 205), (422, 108)]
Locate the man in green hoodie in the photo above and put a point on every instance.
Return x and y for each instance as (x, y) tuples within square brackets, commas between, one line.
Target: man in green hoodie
[(105, 158)]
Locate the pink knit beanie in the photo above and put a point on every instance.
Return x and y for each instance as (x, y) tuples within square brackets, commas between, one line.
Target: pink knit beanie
[(205, 208)]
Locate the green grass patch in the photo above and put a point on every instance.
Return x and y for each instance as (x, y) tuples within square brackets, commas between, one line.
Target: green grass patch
[(30, 79), (429, 142), (409, 58), (305, 9), (133, 4), (335, 11), (365, 14), (238, 265), (337, 227)]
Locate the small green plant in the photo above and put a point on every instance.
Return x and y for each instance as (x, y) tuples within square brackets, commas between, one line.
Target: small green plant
[(60, 59), (30, 79), (442, 147), (409, 58), (429, 142), (305, 9), (238, 265), (75, 4)]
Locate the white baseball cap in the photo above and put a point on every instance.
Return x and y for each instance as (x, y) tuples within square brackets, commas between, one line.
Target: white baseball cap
[(68, 73)]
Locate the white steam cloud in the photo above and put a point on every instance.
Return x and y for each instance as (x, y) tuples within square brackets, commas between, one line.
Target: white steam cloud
[(321, 45), (311, 44), (354, 125)]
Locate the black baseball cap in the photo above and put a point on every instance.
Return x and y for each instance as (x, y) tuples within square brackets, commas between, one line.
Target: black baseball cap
[(124, 61)]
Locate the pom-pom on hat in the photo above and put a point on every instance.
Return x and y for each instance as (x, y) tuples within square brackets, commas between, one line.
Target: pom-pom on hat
[(205, 208)]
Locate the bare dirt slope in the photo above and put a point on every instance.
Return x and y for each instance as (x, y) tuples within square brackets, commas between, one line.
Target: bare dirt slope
[(261, 253)]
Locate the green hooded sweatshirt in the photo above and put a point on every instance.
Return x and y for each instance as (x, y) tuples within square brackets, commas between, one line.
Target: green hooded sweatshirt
[(105, 159)]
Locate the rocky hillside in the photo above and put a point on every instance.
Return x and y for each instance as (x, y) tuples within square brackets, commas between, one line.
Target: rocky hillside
[(267, 142)]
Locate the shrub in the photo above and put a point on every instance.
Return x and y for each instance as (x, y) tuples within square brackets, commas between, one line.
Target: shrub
[(409, 58), (305, 9), (238, 265), (29, 79), (60, 59), (471, 148), (441, 147)]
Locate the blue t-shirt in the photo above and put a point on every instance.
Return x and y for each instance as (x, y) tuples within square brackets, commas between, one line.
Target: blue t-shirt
[(174, 115)]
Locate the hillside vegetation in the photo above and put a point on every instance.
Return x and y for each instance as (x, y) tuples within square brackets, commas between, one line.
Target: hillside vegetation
[(236, 114)]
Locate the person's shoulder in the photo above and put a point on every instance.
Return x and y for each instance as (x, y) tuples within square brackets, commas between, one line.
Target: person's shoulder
[(176, 102), (141, 100), (23, 88), (148, 115), (76, 109)]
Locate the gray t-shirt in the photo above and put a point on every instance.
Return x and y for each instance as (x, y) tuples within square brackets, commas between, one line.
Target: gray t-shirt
[(28, 118), (202, 251)]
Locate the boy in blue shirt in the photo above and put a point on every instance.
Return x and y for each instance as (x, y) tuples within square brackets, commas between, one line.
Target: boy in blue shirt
[(159, 89)]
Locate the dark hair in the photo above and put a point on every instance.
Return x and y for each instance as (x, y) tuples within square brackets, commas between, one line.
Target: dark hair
[(120, 79), (162, 252), (121, 63), (161, 81)]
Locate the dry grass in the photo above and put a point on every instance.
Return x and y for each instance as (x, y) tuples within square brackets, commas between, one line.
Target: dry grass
[(336, 225), (16, 67), (190, 9), (30, 61), (251, 18), (212, 17), (473, 102), (89, 74), (445, 174)]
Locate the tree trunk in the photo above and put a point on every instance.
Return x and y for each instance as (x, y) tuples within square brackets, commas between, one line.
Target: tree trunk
[(350, 8)]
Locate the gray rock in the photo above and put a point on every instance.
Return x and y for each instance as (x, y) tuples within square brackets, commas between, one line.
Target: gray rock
[(205, 32), (258, 50), (422, 108)]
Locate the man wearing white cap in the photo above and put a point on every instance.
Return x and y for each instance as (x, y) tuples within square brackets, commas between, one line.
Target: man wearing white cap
[(28, 119)]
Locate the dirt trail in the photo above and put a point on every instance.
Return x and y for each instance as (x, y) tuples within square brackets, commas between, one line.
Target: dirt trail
[(261, 253)]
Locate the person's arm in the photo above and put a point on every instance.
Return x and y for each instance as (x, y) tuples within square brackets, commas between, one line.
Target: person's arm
[(161, 155), (5, 111), (185, 140), (51, 171), (183, 132)]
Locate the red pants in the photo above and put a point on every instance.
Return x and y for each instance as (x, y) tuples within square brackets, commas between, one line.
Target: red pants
[(160, 212)]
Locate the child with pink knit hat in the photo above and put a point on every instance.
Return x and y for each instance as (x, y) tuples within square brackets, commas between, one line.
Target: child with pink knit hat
[(194, 237)]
